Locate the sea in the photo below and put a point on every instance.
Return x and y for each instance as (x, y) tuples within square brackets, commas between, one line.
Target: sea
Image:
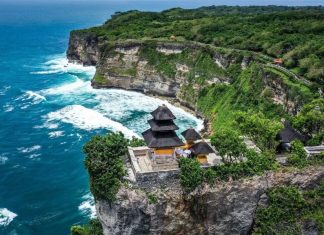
[(48, 110)]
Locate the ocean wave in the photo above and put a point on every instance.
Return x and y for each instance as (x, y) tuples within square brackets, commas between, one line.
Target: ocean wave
[(34, 156), (31, 98), (55, 134), (8, 108), (3, 160), (87, 119), (30, 149), (120, 104), (73, 87), (4, 90), (6, 216), (60, 64), (87, 207)]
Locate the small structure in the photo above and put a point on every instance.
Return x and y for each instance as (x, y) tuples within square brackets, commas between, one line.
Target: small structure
[(191, 135), (201, 150), (162, 139), (287, 135), (173, 38), (278, 61)]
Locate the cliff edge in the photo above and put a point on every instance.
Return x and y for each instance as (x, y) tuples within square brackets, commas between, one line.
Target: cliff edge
[(226, 208)]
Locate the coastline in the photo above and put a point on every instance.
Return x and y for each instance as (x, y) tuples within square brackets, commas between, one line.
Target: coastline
[(205, 131)]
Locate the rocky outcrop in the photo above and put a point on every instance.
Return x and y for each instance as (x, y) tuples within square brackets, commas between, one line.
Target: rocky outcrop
[(226, 208), (121, 65), (83, 48)]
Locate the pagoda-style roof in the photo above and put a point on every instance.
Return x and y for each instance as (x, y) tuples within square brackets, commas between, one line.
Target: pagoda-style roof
[(191, 135), (167, 125), (161, 139), (201, 148), (288, 134), (162, 113)]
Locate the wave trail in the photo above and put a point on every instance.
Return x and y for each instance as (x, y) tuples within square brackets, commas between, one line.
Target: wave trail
[(87, 119)]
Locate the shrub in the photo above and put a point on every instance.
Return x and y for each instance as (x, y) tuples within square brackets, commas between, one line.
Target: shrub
[(105, 165), (298, 156), (229, 145), (136, 142), (191, 173), (288, 208), (92, 228)]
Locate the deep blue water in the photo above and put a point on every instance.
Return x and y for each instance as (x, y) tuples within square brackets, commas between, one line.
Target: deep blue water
[(48, 110)]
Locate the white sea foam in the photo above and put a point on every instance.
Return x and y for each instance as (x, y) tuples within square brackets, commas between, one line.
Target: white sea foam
[(8, 108), (30, 149), (4, 90), (3, 160), (6, 216), (34, 156), (113, 104), (55, 134), (87, 119), (87, 207), (73, 87), (60, 64), (30, 98)]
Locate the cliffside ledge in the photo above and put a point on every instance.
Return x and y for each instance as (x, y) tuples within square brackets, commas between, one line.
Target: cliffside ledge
[(226, 208)]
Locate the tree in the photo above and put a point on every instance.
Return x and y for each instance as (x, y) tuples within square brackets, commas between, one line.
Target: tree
[(310, 120), (259, 128), (298, 156), (229, 145), (105, 165), (191, 173)]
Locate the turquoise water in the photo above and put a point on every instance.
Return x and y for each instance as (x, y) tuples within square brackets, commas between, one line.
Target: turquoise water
[(48, 110)]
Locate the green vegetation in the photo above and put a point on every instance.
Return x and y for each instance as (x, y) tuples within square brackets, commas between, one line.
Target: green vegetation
[(99, 79), (260, 129), (292, 33), (239, 161), (310, 120), (105, 165), (288, 209), (298, 156), (92, 228), (191, 174)]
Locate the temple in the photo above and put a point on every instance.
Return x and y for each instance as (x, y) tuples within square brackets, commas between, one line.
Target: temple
[(158, 161), (161, 138)]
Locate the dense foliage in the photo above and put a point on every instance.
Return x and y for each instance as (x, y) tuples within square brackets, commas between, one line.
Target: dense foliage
[(105, 165), (293, 33), (239, 161), (310, 120), (193, 175), (288, 209), (298, 156), (260, 129), (92, 228)]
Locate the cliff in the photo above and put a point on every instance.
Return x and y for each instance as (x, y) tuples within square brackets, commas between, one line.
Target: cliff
[(175, 69), (226, 208)]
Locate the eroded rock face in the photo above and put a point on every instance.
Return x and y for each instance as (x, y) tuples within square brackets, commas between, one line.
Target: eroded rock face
[(226, 208), (83, 49)]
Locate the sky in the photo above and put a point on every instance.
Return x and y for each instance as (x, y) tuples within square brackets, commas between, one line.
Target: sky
[(189, 2)]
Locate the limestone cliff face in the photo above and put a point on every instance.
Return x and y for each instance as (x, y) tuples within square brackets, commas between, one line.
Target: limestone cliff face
[(83, 48), (122, 65), (226, 208)]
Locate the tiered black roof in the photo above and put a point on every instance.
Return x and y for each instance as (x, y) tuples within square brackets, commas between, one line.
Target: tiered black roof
[(191, 135), (163, 113), (155, 139), (162, 132), (288, 134), (201, 148), (167, 125)]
